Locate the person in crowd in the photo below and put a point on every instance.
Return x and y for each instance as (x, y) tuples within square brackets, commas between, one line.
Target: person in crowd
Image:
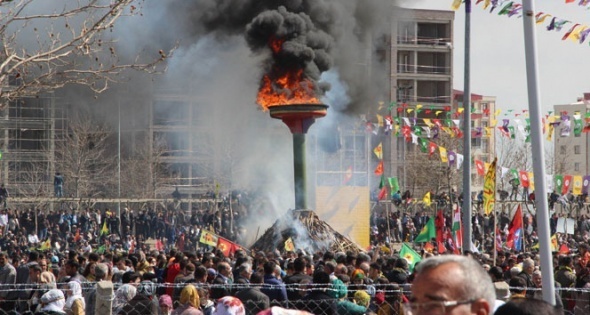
[(229, 305), (251, 296), (189, 302), (123, 295), (165, 303), (207, 305), (451, 283), (144, 302), (7, 278), (52, 303), (75, 304), (528, 266), (273, 287), (222, 281), (299, 275), (58, 185), (339, 291), (528, 307)]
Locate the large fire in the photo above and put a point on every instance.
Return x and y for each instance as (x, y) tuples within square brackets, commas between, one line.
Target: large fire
[(285, 86)]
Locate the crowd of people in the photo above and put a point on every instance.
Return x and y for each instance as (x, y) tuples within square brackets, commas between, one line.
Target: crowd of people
[(52, 262)]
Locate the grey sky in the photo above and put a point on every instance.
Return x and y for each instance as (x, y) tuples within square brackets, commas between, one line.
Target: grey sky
[(498, 59)]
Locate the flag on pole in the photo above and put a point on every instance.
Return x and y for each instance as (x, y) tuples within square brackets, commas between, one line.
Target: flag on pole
[(480, 166), (514, 239), (104, 230), (379, 168), (489, 189), (208, 238), (567, 182), (45, 245), (382, 193), (426, 199), (409, 255), (227, 247), (428, 232), (394, 184), (379, 151), (456, 220)]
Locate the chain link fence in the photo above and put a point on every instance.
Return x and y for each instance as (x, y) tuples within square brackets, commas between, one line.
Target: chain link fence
[(106, 298)]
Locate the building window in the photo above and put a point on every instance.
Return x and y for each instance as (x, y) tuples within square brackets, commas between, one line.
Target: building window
[(562, 149), (577, 149), (577, 167)]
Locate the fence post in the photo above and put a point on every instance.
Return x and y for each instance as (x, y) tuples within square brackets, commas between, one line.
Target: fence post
[(104, 301)]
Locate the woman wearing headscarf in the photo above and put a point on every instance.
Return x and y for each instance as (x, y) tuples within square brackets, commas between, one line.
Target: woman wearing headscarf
[(75, 304), (145, 301), (165, 303), (190, 302), (52, 303), (123, 295)]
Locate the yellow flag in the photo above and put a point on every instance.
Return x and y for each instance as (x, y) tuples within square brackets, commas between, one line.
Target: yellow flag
[(531, 181), (489, 188), (379, 151), (208, 238), (575, 35), (427, 122), (289, 246), (497, 112), (486, 4), (554, 243), (409, 110), (443, 155), (542, 18), (45, 245), (379, 120), (426, 198), (456, 4), (577, 184), (438, 112), (105, 229), (460, 110)]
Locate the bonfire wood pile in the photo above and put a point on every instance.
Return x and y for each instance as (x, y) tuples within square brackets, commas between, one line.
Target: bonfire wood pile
[(307, 231)]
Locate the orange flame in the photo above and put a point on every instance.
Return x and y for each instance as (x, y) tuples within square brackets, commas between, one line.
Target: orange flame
[(290, 88)]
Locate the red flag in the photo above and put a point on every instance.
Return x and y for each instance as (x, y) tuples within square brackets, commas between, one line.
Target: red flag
[(439, 223), (514, 239), (567, 182), (524, 178), (564, 250), (431, 148), (224, 246), (428, 247), (382, 193), (481, 167), (379, 168)]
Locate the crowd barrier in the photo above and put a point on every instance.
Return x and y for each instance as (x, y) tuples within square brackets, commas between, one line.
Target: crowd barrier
[(99, 298)]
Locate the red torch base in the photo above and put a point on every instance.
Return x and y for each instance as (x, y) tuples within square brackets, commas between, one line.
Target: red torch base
[(298, 117)]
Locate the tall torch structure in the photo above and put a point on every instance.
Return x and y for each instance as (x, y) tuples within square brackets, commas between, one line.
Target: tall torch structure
[(299, 117)]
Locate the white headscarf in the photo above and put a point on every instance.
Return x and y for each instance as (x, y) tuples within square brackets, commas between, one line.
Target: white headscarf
[(123, 295), (76, 294), (53, 300)]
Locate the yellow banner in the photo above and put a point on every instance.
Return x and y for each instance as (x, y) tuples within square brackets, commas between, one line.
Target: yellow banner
[(577, 185), (443, 155), (489, 188), (208, 238)]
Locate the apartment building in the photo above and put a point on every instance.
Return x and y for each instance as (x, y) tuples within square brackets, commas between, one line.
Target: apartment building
[(571, 146), (421, 74)]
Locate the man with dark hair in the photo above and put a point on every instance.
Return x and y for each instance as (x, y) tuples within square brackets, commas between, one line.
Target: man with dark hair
[(221, 285), (273, 287), (294, 281), (501, 287), (7, 277), (251, 296), (72, 268), (319, 301), (518, 288), (58, 185)]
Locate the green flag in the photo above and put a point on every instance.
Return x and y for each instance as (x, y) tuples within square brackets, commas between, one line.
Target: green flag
[(394, 184), (382, 182), (410, 255), (558, 183), (428, 232), (101, 249)]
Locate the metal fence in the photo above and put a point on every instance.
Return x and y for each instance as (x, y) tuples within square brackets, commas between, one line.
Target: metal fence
[(102, 299)]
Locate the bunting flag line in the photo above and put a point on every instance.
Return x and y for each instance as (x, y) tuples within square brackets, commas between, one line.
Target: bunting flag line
[(512, 8), (379, 151)]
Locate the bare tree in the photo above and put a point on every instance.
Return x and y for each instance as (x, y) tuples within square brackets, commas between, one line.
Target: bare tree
[(71, 44), (83, 157), (144, 171)]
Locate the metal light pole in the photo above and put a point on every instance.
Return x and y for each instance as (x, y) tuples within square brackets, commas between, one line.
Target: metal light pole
[(530, 47), (467, 132), (119, 164)]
